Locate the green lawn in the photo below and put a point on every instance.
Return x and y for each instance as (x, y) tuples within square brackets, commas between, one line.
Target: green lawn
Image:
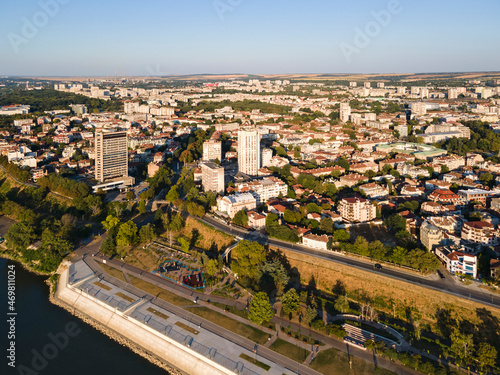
[(113, 271), (255, 362), (241, 329), (290, 350), (333, 361)]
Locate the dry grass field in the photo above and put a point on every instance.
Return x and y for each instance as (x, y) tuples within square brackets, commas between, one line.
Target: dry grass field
[(143, 258), (207, 236), (403, 295)]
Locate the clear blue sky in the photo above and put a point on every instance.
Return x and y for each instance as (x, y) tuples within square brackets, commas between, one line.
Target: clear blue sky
[(94, 37)]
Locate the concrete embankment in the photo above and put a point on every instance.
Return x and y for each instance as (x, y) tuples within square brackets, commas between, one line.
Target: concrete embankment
[(157, 348)]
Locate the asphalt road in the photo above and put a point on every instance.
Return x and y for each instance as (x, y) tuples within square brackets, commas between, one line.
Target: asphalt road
[(445, 286)]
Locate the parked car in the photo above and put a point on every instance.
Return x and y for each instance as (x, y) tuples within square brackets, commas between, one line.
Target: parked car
[(440, 274)]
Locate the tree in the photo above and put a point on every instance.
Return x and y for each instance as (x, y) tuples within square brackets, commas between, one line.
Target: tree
[(444, 168), (276, 271), (341, 235), (110, 222), (53, 244), (486, 178), (173, 194), (342, 304), (127, 234), (396, 223), (177, 223), (130, 195), (311, 314), (241, 218), (249, 256), (292, 217), (290, 301), (108, 246), (142, 207), (376, 249), (461, 345), (186, 157), (212, 267), (184, 244), (260, 309), (147, 233), (20, 236), (94, 203), (486, 355), (313, 208), (280, 151), (361, 246), (330, 190), (326, 225), (370, 344)]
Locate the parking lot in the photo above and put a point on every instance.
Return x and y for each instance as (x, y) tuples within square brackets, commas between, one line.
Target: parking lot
[(117, 196)]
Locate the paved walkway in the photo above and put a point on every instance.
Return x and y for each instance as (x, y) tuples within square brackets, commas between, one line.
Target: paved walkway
[(328, 341)]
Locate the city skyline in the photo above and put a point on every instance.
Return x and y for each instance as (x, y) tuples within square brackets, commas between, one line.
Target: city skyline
[(67, 38)]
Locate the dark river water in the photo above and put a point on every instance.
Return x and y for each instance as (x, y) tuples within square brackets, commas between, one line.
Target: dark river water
[(49, 340)]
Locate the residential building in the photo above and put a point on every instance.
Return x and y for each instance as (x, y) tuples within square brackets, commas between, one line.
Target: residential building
[(267, 188), (476, 195), (212, 177), (480, 232), (256, 220), (357, 210), (315, 242), (458, 262), (344, 112), (267, 155), (111, 155), (444, 196), (374, 190), (231, 204), (430, 235), (153, 168), (212, 150), (249, 151)]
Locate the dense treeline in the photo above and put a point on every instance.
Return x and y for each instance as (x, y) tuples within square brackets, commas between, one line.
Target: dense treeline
[(49, 99), (45, 230), (64, 186), (482, 138), (21, 174), (245, 105), (416, 258)]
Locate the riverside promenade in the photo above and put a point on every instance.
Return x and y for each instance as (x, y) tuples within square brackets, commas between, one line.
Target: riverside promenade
[(183, 340)]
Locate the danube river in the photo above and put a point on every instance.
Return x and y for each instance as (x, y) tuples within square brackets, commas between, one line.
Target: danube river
[(79, 350)]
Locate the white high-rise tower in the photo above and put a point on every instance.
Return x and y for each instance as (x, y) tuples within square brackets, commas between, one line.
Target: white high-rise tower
[(249, 151)]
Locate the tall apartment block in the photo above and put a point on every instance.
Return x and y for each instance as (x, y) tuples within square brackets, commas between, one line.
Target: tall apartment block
[(111, 155), (345, 112), (248, 151), (212, 177), (212, 150)]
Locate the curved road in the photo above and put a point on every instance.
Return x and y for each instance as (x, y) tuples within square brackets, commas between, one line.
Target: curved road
[(445, 286)]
